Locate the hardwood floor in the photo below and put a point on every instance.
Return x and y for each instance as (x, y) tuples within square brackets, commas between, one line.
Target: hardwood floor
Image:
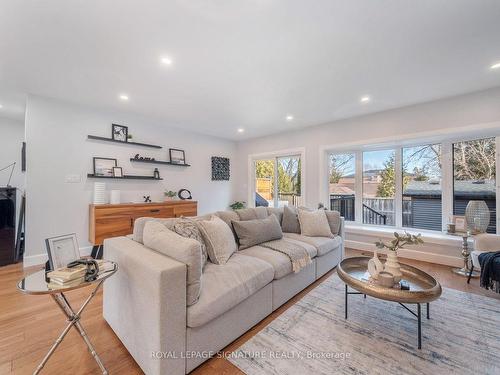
[(30, 324)]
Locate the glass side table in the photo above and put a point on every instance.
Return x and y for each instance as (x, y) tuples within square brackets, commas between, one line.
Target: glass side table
[(35, 284), (466, 269)]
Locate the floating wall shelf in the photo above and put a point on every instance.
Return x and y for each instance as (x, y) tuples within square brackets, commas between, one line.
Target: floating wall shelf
[(90, 175), (158, 162), (123, 143)]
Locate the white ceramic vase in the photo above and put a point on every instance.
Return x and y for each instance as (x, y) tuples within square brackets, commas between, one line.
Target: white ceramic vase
[(392, 265), (375, 266)]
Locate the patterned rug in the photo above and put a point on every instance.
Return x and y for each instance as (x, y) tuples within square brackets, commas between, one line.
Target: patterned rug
[(312, 337)]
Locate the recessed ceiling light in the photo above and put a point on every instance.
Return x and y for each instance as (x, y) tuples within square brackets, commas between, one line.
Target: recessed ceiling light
[(365, 99), (495, 66), (289, 118), (166, 60), (241, 130), (123, 97)]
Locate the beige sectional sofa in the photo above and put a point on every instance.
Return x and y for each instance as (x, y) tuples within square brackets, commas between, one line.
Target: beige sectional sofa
[(145, 302)]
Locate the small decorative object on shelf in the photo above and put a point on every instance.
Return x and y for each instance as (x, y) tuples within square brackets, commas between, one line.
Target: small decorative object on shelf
[(170, 195), (238, 205), (460, 223), (129, 136), (117, 172), (477, 215), (147, 198), (99, 193), (143, 158), (385, 279), (375, 266), (61, 250), (177, 156), (119, 133), (184, 194), (156, 174), (392, 265), (220, 169), (104, 166)]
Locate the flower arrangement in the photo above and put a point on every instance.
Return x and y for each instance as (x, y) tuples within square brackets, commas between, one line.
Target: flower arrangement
[(238, 205), (401, 240)]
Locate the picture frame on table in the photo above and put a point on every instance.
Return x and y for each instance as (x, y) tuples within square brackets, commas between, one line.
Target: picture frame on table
[(103, 167), (62, 250), (177, 156), (119, 133), (460, 223), (118, 172)]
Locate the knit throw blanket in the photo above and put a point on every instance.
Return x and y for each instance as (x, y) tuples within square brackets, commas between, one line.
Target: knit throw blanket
[(298, 255), (490, 270)]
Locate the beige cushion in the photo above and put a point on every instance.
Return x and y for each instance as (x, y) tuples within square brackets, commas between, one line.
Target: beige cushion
[(189, 229), (323, 244), (252, 213), (290, 223), (276, 211), (219, 239), (254, 232), (186, 250), (140, 222), (281, 263), (314, 223), (333, 218), (227, 217), (226, 286)]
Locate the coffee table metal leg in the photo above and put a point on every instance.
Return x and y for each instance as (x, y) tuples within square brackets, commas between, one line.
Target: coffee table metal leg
[(346, 294), (419, 317), (428, 311)]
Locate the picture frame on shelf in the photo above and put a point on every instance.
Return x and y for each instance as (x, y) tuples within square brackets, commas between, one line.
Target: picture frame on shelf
[(103, 167), (119, 133), (62, 250), (177, 156), (460, 223), (117, 172)]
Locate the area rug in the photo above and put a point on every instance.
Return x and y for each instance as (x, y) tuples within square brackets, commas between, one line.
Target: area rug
[(379, 337)]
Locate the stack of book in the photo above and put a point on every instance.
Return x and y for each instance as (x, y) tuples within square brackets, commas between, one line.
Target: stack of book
[(67, 277)]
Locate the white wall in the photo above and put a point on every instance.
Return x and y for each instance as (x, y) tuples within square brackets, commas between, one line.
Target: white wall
[(57, 146), (443, 116)]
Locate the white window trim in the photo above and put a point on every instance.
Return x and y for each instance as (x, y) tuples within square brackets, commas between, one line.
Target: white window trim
[(272, 155), (446, 140)]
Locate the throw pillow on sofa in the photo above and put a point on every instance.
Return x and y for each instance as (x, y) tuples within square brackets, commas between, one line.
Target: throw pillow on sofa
[(254, 232), (219, 239), (252, 213), (333, 218), (189, 229), (185, 250), (314, 223), (290, 222)]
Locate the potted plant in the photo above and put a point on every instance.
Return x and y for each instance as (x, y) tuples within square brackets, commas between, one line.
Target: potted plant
[(392, 265), (170, 195), (238, 205)]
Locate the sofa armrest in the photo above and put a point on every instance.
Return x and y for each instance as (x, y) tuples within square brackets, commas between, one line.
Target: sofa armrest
[(487, 242), (145, 304)]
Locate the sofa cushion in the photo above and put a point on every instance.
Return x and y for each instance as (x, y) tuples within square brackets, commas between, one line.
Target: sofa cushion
[(225, 286), (290, 223), (219, 239), (314, 223), (189, 229), (333, 218), (140, 222), (186, 250), (252, 213), (281, 263), (322, 244), (278, 212), (227, 217), (254, 232)]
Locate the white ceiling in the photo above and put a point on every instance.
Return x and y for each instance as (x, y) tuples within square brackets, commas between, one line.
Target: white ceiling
[(247, 64)]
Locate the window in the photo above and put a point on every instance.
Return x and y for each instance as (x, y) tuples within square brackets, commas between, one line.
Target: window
[(278, 181), (474, 175), (422, 192), (379, 187), (341, 184)]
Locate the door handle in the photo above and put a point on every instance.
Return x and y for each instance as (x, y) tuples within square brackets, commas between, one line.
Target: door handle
[(154, 211)]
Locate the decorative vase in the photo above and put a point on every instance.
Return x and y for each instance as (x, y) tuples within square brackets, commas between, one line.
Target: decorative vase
[(375, 266), (477, 215), (392, 266)]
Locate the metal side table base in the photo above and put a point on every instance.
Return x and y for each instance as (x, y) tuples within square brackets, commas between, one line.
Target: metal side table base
[(73, 321)]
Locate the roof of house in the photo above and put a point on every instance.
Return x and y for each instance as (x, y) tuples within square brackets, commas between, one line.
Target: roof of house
[(484, 188)]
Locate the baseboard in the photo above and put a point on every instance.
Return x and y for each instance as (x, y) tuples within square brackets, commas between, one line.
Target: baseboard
[(447, 260), (39, 259)]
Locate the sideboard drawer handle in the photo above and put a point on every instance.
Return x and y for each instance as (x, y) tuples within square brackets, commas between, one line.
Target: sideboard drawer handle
[(155, 211)]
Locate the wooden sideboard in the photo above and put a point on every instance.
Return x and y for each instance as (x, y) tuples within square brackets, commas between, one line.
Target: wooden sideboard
[(112, 220)]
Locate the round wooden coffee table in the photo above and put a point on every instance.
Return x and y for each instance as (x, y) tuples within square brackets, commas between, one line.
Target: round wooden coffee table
[(423, 287)]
